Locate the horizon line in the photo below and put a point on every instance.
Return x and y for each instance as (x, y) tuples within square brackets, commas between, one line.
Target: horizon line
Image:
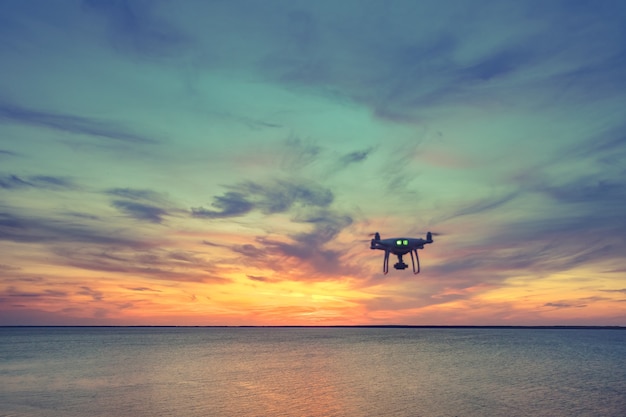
[(380, 326)]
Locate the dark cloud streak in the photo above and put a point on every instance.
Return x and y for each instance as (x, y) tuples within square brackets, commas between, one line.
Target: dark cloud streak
[(140, 211), (357, 156), (70, 124), (11, 181), (136, 194), (7, 153), (230, 204)]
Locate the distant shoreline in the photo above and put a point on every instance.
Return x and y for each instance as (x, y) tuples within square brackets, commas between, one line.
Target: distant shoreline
[(364, 326)]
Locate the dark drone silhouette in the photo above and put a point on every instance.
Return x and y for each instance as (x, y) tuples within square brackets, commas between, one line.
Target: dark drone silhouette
[(401, 246)]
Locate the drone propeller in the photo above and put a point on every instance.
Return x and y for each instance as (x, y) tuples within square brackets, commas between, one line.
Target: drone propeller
[(370, 235)]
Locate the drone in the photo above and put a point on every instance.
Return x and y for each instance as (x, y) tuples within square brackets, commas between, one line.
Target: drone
[(399, 247)]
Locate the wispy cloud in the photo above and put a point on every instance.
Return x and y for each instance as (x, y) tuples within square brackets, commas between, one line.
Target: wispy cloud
[(560, 305), (12, 181), (13, 292), (356, 156), (88, 291), (312, 247), (30, 229), (401, 78), (608, 145), (623, 290), (479, 206), (52, 182), (142, 289), (136, 194), (136, 28), (299, 153), (155, 263), (249, 251), (261, 278), (70, 123), (273, 197), (347, 160), (6, 153)]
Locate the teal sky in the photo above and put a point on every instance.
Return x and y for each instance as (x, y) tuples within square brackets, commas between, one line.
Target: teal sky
[(225, 162)]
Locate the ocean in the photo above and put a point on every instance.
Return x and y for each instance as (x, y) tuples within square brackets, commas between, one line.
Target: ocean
[(212, 371)]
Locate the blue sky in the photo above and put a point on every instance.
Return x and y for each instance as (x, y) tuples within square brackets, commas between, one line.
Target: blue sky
[(225, 162)]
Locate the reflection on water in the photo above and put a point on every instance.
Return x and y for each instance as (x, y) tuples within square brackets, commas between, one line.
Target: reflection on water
[(311, 372)]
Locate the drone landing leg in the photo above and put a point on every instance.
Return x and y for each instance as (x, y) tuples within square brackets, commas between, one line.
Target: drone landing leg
[(417, 258), (386, 263)]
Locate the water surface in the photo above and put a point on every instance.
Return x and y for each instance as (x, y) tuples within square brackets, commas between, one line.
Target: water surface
[(311, 372)]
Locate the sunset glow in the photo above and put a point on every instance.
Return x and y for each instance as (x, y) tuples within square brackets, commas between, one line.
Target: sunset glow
[(226, 163)]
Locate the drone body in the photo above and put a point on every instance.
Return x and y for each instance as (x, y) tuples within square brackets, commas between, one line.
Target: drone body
[(401, 246)]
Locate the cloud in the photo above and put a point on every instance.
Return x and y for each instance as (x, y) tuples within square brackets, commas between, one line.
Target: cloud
[(299, 153), (70, 124), (7, 268), (249, 251), (12, 181), (477, 207), (12, 292), (261, 279), (230, 204), (591, 190), (308, 202), (30, 229), (312, 247), (402, 71), (609, 145), (136, 194), (538, 248), (346, 160), (142, 289), (281, 195), (623, 290), (484, 205), (4, 152), (52, 182), (499, 63), (560, 223), (356, 156), (140, 211), (154, 263), (83, 216), (94, 294), (9, 182), (274, 197), (560, 305), (141, 204), (133, 26)]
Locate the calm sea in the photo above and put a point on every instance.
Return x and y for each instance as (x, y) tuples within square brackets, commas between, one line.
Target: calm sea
[(311, 372)]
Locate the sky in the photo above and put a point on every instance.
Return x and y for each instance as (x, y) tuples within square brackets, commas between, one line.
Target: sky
[(227, 162)]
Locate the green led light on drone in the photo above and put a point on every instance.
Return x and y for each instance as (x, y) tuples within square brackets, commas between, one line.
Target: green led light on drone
[(398, 242)]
